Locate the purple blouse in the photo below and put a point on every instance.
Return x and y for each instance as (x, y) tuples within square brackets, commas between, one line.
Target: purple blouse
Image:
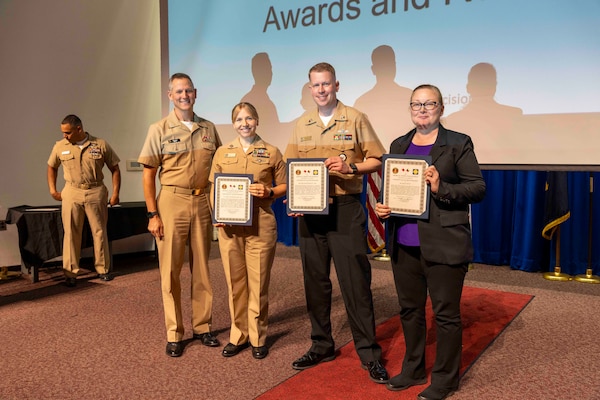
[(408, 232)]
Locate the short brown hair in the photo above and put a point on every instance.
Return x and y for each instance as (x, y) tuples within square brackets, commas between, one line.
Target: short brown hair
[(322, 67), (179, 75)]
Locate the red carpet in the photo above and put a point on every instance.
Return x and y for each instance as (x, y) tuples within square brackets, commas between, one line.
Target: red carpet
[(485, 314)]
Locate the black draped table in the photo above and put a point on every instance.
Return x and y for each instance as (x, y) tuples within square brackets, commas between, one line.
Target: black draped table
[(41, 231)]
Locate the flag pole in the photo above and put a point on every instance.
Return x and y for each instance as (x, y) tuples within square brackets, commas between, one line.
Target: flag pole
[(589, 277), (557, 275)]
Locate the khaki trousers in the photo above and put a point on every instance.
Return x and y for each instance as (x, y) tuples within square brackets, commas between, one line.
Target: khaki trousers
[(76, 205), (186, 219), (247, 253)]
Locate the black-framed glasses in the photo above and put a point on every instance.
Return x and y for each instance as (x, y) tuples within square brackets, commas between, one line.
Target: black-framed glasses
[(430, 105)]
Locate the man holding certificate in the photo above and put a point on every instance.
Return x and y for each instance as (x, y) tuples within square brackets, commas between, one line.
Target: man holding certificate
[(344, 138), (432, 255), (248, 249)]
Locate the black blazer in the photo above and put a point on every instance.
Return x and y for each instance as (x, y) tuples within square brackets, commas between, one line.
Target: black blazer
[(446, 236)]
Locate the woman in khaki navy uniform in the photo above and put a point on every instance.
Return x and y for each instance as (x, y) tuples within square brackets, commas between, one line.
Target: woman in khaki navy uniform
[(83, 157), (179, 148), (247, 252)]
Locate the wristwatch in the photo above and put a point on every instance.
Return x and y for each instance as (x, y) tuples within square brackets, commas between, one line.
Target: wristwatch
[(354, 169), (151, 214), (271, 192)]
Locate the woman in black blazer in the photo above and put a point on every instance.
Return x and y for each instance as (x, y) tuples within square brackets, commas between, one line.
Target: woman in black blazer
[(432, 255)]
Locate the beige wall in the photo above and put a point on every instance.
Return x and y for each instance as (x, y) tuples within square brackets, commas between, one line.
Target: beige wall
[(99, 59)]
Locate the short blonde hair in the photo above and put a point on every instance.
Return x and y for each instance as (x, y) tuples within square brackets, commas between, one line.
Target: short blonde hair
[(430, 87)]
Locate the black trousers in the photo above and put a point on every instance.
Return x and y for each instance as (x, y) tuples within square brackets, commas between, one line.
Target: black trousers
[(339, 235), (414, 278)]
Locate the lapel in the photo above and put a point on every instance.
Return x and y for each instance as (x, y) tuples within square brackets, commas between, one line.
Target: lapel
[(440, 144), (405, 142)]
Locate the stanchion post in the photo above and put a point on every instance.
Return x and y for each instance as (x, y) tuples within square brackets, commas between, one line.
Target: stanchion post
[(557, 275), (589, 277)]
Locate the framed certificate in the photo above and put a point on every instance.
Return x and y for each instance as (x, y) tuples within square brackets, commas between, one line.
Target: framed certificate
[(232, 201), (403, 185), (307, 186)]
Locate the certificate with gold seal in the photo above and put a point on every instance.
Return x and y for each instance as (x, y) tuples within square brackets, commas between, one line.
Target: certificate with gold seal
[(232, 199), (307, 186), (403, 185)]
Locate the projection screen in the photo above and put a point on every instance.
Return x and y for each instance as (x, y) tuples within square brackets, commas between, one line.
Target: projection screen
[(522, 78)]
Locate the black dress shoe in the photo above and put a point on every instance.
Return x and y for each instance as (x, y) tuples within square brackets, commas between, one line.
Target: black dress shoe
[(106, 277), (377, 372), (260, 352), (311, 359), (432, 393), (174, 349), (399, 382), (207, 339), (231, 349), (70, 282)]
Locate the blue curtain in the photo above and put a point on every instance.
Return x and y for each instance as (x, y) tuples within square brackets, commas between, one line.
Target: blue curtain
[(287, 227), (507, 225)]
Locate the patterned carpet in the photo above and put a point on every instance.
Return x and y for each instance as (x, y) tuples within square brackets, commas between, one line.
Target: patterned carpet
[(106, 340)]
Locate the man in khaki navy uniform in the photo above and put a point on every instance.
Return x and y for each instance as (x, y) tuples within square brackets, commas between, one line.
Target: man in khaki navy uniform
[(345, 138), (248, 252), (182, 145), (83, 156)]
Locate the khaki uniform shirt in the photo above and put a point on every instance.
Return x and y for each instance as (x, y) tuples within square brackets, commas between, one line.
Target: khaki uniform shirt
[(349, 135), (262, 160), (83, 165), (183, 155)]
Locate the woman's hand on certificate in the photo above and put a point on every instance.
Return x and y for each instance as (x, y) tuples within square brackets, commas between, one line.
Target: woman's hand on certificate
[(432, 177)]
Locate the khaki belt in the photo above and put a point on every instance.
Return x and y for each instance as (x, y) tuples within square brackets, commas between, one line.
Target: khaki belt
[(177, 189), (86, 186)]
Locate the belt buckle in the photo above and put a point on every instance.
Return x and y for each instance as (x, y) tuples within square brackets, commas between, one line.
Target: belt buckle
[(196, 192), (85, 186)]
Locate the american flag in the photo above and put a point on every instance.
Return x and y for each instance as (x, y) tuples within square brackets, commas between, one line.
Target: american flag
[(375, 229)]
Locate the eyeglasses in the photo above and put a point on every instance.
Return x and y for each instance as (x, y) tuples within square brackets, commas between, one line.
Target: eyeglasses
[(430, 105)]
